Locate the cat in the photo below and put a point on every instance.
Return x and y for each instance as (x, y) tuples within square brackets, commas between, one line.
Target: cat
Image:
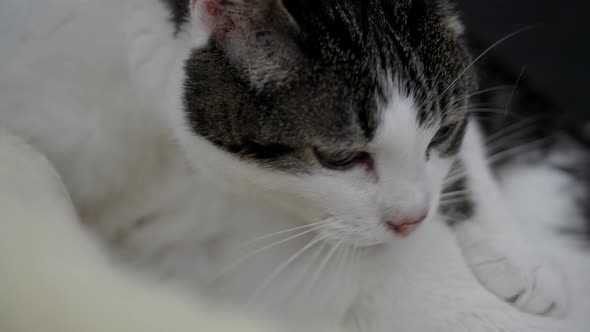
[(182, 131)]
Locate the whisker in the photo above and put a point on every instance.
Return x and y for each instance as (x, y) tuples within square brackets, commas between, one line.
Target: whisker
[(506, 141), (489, 110), (514, 89), (495, 156), (492, 89), (254, 253), (342, 266), (323, 264), (514, 127), (521, 148), (499, 111), (484, 53), (312, 261), (492, 159), (476, 105), (267, 236), (276, 272), (482, 108)]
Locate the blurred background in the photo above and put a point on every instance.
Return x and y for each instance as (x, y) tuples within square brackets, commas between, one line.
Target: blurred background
[(550, 62), (535, 86)]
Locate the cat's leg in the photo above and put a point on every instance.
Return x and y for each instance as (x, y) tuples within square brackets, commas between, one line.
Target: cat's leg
[(490, 236), (54, 277)]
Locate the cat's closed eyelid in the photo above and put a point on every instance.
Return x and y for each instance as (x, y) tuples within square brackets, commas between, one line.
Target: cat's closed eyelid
[(344, 161)]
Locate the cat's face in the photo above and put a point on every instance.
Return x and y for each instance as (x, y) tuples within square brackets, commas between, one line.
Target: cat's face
[(343, 111)]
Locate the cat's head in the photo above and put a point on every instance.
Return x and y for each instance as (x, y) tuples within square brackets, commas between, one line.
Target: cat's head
[(343, 111)]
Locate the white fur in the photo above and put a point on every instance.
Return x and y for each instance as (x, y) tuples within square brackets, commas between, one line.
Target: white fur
[(541, 197), (495, 248), (56, 278), (82, 85)]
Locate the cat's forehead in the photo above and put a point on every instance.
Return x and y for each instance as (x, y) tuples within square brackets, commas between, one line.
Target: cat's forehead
[(364, 52), (374, 32)]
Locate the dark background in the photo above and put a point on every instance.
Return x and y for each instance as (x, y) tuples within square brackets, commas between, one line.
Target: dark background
[(555, 53)]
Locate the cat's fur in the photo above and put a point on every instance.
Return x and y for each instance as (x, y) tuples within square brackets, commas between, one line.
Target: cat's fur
[(171, 151), (66, 282)]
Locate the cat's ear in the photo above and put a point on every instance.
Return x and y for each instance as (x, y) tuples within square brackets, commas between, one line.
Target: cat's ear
[(211, 16), (231, 19), (254, 33)]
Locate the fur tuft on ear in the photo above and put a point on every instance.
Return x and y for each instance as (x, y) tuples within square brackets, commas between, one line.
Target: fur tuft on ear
[(213, 8), (255, 34), (211, 13), (224, 17)]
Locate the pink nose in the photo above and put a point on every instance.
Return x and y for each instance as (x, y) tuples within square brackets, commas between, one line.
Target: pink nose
[(405, 227)]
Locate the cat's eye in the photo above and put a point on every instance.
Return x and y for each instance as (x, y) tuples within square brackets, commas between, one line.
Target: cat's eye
[(342, 160), (441, 136)]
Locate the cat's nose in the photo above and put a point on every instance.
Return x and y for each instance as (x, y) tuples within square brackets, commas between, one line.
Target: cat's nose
[(405, 226)]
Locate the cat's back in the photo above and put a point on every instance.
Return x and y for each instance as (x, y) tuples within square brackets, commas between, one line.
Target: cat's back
[(66, 86)]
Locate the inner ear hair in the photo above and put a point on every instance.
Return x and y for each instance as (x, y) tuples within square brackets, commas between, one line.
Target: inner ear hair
[(225, 16)]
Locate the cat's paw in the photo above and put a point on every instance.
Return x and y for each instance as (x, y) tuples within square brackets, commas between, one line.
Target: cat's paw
[(518, 276)]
